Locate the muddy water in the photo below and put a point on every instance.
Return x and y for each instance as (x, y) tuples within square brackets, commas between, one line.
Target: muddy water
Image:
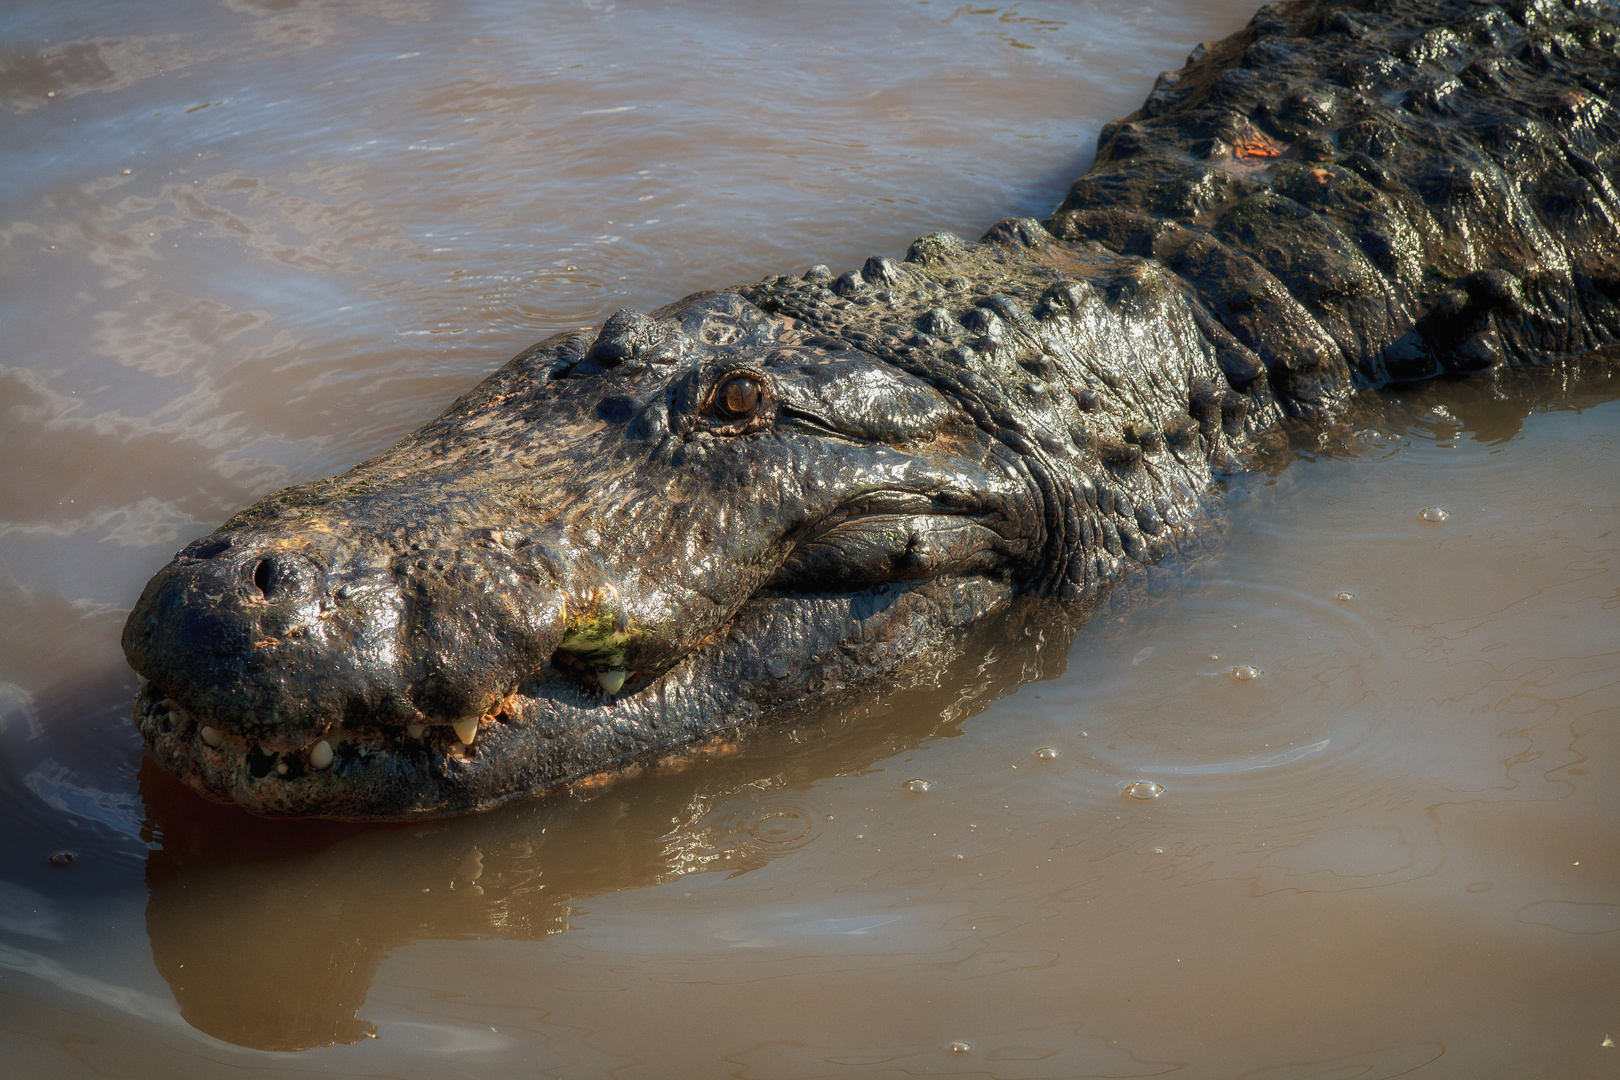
[(251, 243)]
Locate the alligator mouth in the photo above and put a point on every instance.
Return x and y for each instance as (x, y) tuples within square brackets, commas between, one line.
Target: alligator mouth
[(215, 759), (562, 730)]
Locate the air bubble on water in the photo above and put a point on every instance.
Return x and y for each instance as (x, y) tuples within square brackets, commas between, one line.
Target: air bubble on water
[(1214, 656), (1158, 851), (961, 1046), (1345, 596), (917, 786), (1434, 514), (1144, 790), (1048, 752), (1245, 672), (1085, 734)]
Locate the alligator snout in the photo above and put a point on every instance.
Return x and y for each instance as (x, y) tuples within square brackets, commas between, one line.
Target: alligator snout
[(283, 638)]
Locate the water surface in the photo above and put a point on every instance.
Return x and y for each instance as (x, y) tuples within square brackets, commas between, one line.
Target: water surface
[(250, 243)]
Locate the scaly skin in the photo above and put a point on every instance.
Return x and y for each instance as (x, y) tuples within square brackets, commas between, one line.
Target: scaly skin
[(639, 537)]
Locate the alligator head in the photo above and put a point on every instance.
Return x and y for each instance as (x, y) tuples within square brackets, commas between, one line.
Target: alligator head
[(549, 577)]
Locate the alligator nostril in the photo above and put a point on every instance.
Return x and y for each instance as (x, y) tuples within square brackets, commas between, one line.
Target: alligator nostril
[(207, 547), (282, 576)]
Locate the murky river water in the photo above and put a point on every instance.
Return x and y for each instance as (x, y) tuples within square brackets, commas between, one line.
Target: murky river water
[(252, 242)]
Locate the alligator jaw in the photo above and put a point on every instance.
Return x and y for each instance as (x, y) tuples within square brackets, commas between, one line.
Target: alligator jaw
[(559, 731), (334, 767)]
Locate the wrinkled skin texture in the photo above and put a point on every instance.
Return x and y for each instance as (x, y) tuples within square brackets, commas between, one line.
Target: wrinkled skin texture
[(638, 537)]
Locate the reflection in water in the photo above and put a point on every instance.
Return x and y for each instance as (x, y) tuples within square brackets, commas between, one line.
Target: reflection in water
[(270, 932)]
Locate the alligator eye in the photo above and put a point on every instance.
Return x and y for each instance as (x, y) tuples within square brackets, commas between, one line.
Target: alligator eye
[(739, 396)]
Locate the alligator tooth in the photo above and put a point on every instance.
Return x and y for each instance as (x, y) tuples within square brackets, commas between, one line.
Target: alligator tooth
[(169, 704), (212, 736), (320, 755), (415, 730), (611, 680), (466, 730), (141, 683), (281, 768)]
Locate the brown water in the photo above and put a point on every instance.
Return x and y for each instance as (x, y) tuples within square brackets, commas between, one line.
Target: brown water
[(251, 243)]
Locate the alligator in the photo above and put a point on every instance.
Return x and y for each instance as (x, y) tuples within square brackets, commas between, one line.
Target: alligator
[(638, 536)]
